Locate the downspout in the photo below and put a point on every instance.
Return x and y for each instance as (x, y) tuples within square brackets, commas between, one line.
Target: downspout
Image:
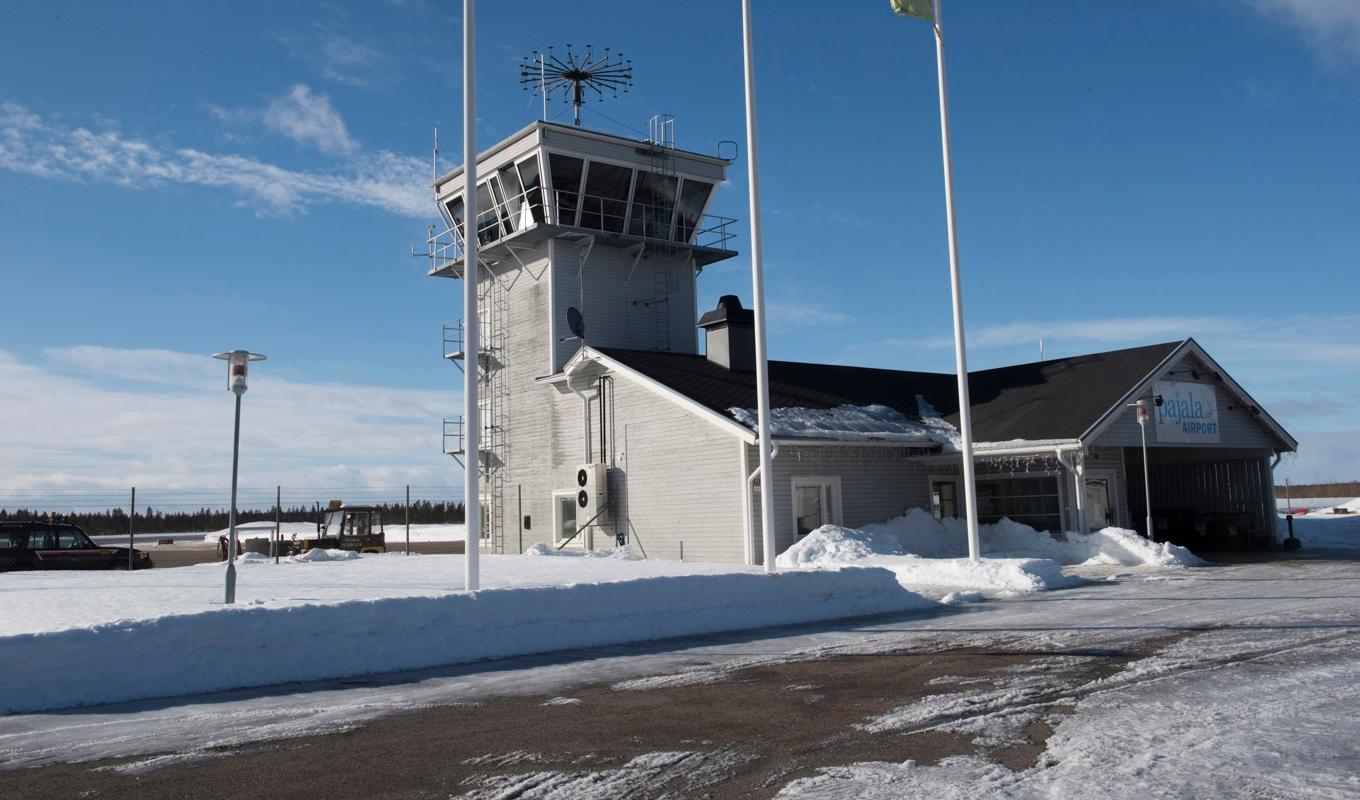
[(1273, 504), (750, 487), (585, 416)]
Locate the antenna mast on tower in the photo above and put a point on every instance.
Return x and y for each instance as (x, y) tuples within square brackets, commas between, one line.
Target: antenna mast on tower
[(574, 73)]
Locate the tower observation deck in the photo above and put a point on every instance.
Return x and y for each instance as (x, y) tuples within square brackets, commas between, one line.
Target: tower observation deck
[(556, 181)]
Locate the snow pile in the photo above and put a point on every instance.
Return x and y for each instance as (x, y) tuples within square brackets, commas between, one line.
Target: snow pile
[(1000, 576), (918, 533), (319, 554), (115, 636), (928, 553), (623, 553), (849, 423)]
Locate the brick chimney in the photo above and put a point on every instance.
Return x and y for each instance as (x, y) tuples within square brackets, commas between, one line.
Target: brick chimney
[(730, 335)]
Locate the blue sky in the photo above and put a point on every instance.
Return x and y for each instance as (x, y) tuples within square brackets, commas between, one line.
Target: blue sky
[(195, 177)]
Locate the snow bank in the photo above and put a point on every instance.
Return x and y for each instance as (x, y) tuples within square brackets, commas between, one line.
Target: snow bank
[(624, 553), (849, 423), (120, 636), (920, 534)]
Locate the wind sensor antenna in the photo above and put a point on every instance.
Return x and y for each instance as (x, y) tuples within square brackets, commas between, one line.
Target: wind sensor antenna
[(574, 74)]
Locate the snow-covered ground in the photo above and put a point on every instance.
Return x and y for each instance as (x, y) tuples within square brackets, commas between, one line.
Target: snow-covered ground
[(1322, 530), (1310, 504), (1259, 699), (1265, 704), (115, 636), (304, 619)]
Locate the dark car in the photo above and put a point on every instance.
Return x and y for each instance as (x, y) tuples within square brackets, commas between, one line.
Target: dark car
[(59, 545)]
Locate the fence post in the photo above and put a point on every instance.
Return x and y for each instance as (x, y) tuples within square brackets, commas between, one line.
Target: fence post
[(408, 519), (132, 513), (278, 533)]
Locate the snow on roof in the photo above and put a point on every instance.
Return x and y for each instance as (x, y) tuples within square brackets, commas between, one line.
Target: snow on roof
[(851, 423)]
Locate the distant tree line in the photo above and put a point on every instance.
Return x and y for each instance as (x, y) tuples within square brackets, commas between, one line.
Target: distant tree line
[(115, 520), (1304, 490)]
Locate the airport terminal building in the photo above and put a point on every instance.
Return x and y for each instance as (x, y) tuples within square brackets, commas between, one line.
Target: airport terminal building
[(603, 420)]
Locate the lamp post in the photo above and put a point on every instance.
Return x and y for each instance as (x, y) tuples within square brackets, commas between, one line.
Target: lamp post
[(238, 365), (1141, 405)]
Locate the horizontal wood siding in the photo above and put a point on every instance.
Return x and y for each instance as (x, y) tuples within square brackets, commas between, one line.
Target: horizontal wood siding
[(621, 311), (675, 478), (528, 420)]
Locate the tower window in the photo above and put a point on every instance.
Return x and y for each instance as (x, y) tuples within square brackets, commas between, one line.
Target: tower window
[(606, 196), (533, 189), (653, 205), (566, 184), (693, 198)]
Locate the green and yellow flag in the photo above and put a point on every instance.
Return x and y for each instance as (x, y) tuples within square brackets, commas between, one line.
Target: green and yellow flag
[(922, 9)]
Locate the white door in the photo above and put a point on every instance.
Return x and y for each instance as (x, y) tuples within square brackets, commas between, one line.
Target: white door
[(1099, 512)]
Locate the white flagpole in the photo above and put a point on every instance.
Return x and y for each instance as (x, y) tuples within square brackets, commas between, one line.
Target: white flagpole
[(960, 358), (758, 287), (472, 427)]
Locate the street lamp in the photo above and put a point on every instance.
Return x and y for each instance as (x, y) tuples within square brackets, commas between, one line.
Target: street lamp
[(1142, 406), (238, 365)]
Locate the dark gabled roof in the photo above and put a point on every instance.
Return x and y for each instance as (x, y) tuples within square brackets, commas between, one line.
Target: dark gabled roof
[(1057, 399), (792, 385)]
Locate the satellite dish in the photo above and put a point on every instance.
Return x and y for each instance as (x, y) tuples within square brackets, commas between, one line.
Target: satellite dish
[(576, 323)]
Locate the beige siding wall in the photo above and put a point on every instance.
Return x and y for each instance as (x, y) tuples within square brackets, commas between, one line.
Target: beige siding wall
[(675, 478), (528, 423), (647, 308)]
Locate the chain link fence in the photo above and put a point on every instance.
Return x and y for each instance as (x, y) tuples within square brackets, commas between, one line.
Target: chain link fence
[(139, 527)]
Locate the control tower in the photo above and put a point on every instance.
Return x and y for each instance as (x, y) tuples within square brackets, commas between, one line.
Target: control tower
[(613, 227)]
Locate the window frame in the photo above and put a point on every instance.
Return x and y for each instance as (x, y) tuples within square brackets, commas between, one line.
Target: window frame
[(553, 188), (582, 539), (628, 203), (831, 506)]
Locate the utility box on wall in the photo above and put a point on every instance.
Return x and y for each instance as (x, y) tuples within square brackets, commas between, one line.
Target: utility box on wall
[(592, 493)]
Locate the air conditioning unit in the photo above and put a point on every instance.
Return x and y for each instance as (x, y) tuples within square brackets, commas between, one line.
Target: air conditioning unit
[(592, 493)]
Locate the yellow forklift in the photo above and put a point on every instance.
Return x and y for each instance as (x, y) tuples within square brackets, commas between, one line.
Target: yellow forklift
[(346, 527), (339, 527)]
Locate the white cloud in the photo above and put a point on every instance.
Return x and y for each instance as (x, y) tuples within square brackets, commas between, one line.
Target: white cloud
[(790, 315), (1332, 27), (74, 419), (337, 57), (48, 149), (308, 118)]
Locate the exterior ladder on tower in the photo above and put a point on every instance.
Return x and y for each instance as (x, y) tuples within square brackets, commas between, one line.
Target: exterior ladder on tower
[(661, 137), (494, 400)]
